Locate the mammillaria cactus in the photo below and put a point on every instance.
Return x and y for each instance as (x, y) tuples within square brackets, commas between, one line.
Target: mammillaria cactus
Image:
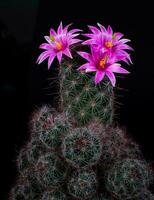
[(81, 148), (127, 178), (83, 184), (76, 152)]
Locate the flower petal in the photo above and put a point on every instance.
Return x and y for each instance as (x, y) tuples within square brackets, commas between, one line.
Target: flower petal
[(59, 56), (111, 76), (50, 60), (83, 67), (99, 76), (90, 69), (117, 69), (109, 30), (94, 29), (52, 32), (85, 55), (74, 31), (45, 46), (47, 39), (74, 41), (67, 53), (103, 29), (65, 30), (60, 28), (43, 56)]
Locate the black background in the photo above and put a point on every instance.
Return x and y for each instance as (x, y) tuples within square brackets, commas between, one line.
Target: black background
[(24, 84)]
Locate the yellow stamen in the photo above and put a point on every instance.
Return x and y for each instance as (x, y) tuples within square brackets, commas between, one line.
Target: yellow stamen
[(108, 44), (52, 38), (58, 45), (102, 62)]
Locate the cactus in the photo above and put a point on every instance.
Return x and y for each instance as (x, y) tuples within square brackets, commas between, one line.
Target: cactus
[(102, 197), (145, 195), (82, 100), (25, 190), (50, 170), (127, 178), (75, 151), (82, 184), (81, 148), (54, 195), (52, 136)]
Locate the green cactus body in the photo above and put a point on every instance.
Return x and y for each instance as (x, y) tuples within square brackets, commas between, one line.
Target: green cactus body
[(50, 170), (54, 195), (81, 148), (116, 146), (82, 184), (25, 190), (82, 100), (127, 178), (52, 136), (42, 118)]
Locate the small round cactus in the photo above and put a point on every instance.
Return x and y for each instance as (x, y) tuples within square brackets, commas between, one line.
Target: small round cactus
[(29, 155), (54, 195), (116, 146), (81, 148), (82, 184), (52, 136), (41, 119), (25, 190), (127, 178), (50, 170)]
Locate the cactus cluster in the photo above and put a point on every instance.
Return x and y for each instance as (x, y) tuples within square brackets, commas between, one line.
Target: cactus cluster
[(77, 153)]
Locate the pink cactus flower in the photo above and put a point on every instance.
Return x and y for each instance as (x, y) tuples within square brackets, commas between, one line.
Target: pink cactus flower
[(103, 64), (107, 41), (58, 44)]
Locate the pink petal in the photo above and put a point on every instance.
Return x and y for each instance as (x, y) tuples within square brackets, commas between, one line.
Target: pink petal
[(47, 39), (90, 69), (88, 42), (124, 40), (74, 31), (42, 57), (83, 67), (103, 29), (45, 46), (66, 28), (99, 76), (90, 35), (109, 30), (74, 41), (94, 29), (50, 60), (52, 32), (59, 56), (118, 35), (85, 55), (112, 78), (67, 52), (60, 28), (117, 69)]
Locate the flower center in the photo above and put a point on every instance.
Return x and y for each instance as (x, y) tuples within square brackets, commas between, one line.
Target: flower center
[(58, 45), (108, 44), (52, 38), (102, 63)]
